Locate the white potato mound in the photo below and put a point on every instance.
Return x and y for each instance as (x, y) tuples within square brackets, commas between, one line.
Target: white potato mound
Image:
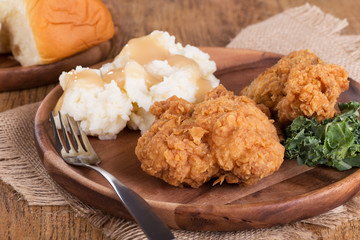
[(148, 69), (175, 80), (103, 111)]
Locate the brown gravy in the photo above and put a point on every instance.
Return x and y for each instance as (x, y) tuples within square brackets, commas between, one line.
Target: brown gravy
[(139, 52)]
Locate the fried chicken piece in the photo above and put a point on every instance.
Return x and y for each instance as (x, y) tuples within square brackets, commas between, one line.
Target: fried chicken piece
[(173, 149), (268, 87), (312, 91), (225, 136), (300, 84)]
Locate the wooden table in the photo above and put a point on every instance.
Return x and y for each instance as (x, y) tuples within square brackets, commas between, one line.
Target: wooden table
[(199, 23)]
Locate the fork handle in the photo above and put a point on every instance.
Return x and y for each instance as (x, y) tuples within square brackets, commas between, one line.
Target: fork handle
[(144, 215)]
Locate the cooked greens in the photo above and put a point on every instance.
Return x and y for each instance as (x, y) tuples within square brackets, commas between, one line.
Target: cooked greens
[(335, 142)]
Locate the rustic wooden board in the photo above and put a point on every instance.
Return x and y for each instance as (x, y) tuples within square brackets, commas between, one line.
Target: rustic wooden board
[(293, 193), (15, 77)]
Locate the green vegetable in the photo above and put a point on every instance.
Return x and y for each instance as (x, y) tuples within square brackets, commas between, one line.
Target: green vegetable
[(335, 142)]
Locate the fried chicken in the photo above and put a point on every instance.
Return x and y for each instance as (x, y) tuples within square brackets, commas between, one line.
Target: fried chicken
[(225, 136), (300, 84)]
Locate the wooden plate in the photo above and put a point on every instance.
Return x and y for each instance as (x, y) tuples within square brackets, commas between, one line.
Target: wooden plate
[(15, 77), (293, 193)]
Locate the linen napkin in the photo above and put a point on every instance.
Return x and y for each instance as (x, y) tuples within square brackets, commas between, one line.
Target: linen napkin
[(304, 27)]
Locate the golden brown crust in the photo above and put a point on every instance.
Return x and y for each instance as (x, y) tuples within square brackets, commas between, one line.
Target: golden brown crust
[(312, 91), (225, 136), (300, 84), (63, 28), (172, 149), (268, 87)]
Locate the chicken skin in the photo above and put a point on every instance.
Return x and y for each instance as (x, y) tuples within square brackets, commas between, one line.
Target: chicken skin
[(300, 84), (225, 136)]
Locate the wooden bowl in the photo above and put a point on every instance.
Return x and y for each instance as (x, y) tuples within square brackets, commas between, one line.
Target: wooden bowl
[(15, 77), (293, 193)]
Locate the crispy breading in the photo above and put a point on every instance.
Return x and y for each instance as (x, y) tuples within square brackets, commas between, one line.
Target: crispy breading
[(312, 91), (225, 136), (300, 84)]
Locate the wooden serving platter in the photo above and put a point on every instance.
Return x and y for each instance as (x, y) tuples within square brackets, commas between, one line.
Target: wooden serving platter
[(293, 193), (15, 77)]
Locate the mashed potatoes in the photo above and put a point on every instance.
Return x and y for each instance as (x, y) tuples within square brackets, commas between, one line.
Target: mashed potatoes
[(148, 69), (102, 109)]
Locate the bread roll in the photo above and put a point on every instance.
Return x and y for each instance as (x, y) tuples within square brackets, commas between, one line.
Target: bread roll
[(45, 31)]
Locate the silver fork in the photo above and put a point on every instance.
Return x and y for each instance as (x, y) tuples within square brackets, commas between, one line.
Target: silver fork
[(79, 152)]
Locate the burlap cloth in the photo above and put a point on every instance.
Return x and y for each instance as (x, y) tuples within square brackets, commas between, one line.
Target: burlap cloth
[(305, 27)]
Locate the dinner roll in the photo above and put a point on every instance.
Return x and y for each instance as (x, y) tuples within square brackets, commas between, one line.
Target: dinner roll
[(45, 31)]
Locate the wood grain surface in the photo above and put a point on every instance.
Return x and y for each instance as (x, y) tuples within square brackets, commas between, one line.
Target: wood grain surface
[(201, 23), (293, 193)]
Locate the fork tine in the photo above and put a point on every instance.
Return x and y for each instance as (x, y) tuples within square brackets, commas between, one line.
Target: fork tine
[(85, 140), (74, 129), (86, 146), (58, 143), (73, 135), (67, 141)]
